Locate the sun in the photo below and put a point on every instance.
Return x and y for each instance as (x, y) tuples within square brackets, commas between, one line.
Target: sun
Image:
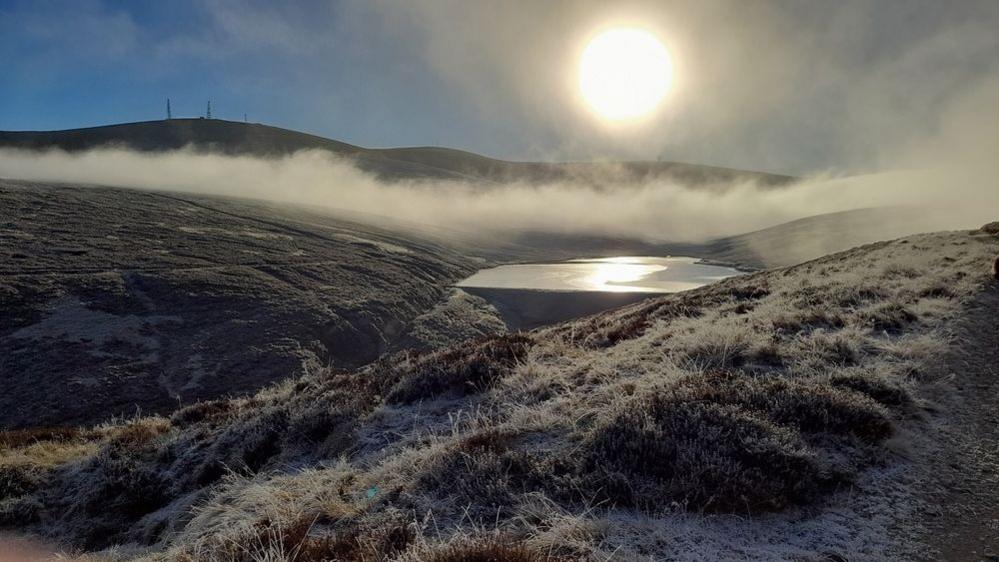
[(624, 73)]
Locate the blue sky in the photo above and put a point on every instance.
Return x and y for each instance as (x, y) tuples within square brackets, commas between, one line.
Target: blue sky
[(777, 85), (80, 63)]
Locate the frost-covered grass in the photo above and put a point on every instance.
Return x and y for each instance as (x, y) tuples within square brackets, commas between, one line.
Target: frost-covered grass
[(751, 419)]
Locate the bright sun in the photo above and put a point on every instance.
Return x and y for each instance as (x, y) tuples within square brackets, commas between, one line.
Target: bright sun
[(624, 73)]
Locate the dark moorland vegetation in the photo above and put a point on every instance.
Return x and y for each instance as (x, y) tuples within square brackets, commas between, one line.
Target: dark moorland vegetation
[(751, 396)]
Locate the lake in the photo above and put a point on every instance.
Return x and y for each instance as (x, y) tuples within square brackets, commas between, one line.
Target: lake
[(623, 274)]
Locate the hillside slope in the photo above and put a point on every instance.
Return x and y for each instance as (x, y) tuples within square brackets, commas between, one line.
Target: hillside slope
[(779, 245), (118, 300), (812, 237), (760, 418), (230, 137)]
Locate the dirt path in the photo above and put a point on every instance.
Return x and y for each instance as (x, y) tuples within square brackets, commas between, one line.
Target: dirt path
[(963, 492)]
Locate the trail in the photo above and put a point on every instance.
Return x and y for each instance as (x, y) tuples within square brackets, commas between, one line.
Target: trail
[(963, 494)]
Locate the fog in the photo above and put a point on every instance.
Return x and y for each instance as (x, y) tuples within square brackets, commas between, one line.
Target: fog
[(960, 194), (899, 99), (772, 85)]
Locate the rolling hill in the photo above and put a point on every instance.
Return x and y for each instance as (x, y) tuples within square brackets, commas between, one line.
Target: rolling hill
[(813, 412), (115, 301), (235, 138)]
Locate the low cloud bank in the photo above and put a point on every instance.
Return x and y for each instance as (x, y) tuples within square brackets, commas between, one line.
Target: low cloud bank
[(954, 196)]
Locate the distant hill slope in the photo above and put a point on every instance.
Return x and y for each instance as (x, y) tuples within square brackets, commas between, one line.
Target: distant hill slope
[(775, 246), (114, 299), (811, 237), (230, 137)]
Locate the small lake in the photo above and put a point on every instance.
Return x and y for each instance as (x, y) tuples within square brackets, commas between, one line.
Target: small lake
[(624, 274)]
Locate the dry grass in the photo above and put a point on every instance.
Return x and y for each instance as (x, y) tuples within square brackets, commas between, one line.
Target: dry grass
[(460, 371), (752, 395), (489, 550)]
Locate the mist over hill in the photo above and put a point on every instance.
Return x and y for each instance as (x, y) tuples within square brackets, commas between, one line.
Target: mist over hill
[(115, 301), (253, 139)]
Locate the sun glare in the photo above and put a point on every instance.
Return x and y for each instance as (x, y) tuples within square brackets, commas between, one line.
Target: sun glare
[(624, 73)]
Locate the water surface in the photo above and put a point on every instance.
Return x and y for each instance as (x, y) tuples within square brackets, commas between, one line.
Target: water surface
[(623, 274)]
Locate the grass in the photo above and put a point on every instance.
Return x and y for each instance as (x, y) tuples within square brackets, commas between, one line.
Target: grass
[(486, 551), (750, 396), (460, 371), (701, 456)]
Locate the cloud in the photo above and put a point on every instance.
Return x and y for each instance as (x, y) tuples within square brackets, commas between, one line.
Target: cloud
[(768, 85), (775, 85), (653, 210)]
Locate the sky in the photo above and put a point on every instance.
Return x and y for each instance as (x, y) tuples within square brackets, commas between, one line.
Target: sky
[(778, 85)]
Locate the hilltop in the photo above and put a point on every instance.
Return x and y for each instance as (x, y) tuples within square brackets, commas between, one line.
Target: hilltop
[(253, 139), (803, 413)]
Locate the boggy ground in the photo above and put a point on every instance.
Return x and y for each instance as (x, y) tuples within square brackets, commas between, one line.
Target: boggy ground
[(767, 417)]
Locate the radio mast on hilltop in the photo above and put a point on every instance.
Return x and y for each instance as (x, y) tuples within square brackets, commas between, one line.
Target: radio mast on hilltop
[(208, 114), (169, 113)]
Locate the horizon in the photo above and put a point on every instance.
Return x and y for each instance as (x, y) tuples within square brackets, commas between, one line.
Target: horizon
[(847, 90), (450, 148)]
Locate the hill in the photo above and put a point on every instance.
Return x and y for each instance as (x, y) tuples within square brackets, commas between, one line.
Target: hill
[(140, 301), (780, 245), (812, 237), (234, 138), (117, 300), (803, 413)]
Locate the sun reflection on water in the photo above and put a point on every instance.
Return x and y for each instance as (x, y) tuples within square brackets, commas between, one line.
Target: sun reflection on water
[(614, 275)]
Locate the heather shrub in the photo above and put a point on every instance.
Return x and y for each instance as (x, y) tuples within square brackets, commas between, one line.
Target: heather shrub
[(483, 472), (936, 291), (749, 292), (611, 329), (205, 411), (837, 349), (890, 318), (810, 406), (807, 321), (323, 430), (460, 371), (12, 439), (485, 550), (877, 388), (701, 455), (724, 442), (854, 296), (16, 480)]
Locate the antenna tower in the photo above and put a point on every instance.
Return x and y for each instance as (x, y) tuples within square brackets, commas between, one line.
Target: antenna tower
[(169, 113), (208, 114)]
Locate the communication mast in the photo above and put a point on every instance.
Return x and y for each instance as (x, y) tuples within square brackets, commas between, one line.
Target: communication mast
[(169, 113), (208, 114)]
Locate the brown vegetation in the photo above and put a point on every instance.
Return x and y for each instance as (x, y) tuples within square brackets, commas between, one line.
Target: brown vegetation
[(460, 371), (748, 396)]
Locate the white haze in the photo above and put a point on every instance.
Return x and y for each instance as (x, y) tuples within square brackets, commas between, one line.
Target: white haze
[(950, 171), (954, 195), (909, 89)]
